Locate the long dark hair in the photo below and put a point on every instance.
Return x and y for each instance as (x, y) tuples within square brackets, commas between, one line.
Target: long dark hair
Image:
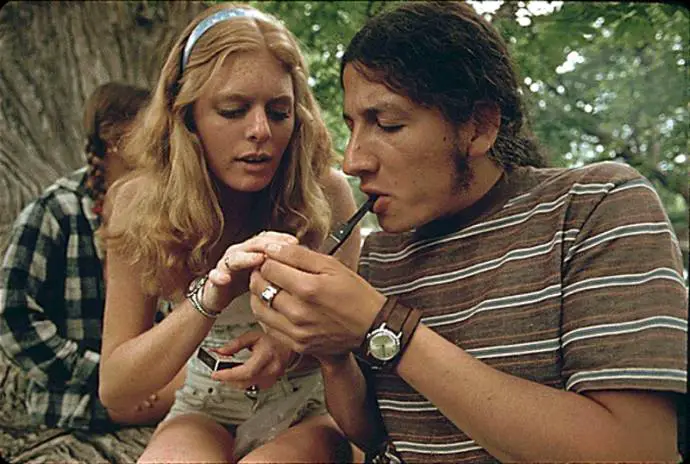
[(108, 111), (444, 55)]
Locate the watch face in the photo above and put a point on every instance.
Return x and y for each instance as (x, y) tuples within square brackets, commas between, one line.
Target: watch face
[(384, 345)]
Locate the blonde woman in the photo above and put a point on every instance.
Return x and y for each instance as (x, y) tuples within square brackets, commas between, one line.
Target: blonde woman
[(231, 144)]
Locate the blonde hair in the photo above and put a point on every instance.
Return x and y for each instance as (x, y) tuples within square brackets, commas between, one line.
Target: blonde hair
[(175, 219)]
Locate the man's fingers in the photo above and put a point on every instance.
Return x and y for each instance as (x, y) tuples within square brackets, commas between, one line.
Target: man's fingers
[(283, 305), (298, 282), (298, 257), (277, 318)]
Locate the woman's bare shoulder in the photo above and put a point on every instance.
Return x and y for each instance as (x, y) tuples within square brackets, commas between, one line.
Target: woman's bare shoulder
[(339, 195), (336, 186), (121, 197)]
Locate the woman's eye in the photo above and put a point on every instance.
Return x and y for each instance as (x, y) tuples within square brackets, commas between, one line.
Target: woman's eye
[(278, 115), (232, 114)]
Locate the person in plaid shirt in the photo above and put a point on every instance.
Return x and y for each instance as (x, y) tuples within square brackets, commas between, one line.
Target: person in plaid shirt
[(52, 290)]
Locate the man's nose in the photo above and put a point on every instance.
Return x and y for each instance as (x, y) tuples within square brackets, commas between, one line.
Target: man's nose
[(259, 129), (357, 159)]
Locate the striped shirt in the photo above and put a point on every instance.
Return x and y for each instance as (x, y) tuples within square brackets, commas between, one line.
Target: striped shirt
[(571, 278), (52, 297)]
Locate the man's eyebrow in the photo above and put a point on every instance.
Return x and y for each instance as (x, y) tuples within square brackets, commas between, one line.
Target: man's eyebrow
[(382, 107)]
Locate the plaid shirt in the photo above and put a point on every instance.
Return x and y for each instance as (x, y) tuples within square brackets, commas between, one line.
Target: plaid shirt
[(52, 297)]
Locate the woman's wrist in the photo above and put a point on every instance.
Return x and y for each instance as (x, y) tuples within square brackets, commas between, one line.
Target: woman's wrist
[(217, 298), (198, 290)]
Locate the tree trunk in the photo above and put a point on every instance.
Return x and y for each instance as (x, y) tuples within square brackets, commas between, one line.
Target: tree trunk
[(52, 56)]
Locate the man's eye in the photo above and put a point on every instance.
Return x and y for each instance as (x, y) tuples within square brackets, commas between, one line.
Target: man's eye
[(390, 127)]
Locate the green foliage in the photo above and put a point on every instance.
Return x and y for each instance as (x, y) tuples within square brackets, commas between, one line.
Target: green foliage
[(602, 81), (623, 98)]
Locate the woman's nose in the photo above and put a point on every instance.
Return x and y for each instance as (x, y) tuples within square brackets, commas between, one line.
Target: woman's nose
[(259, 129)]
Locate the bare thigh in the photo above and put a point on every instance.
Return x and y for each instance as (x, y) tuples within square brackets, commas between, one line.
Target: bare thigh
[(316, 439), (190, 438)]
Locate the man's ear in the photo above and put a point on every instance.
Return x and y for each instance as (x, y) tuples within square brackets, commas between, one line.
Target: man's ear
[(486, 119)]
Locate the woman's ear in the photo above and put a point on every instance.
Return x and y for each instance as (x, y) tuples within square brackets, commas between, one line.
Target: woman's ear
[(486, 119)]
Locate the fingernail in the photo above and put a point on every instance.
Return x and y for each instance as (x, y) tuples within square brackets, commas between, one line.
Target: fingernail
[(273, 247)]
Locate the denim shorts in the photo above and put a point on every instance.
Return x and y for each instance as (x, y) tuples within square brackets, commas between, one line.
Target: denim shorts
[(297, 394), (230, 406)]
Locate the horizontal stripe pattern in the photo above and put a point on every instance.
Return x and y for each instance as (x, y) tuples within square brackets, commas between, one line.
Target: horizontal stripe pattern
[(450, 277), (535, 288), (623, 280), (606, 330), (436, 449), (663, 375)]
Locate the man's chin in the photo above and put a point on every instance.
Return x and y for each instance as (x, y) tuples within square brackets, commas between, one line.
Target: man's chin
[(389, 224)]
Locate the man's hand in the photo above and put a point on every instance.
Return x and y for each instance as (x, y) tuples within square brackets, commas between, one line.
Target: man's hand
[(323, 308)]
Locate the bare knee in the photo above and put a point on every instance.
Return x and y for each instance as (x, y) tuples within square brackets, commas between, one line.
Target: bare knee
[(189, 438), (315, 440)]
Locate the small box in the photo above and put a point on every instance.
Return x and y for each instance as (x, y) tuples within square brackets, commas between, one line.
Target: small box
[(216, 361)]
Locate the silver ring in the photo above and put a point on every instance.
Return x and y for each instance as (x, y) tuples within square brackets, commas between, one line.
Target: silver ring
[(269, 294)]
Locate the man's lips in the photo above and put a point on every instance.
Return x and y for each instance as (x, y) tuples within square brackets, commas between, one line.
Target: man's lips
[(380, 200)]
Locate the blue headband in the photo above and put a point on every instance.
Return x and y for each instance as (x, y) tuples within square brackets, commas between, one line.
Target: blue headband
[(208, 23)]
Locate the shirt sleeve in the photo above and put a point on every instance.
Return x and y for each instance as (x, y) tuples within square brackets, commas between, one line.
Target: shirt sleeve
[(625, 299), (32, 306)]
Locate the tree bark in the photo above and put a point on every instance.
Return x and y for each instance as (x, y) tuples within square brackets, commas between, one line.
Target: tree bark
[(52, 56)]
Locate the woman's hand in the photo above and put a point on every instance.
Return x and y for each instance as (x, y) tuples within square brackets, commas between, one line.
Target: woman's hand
[(230, 277), (268, 361)]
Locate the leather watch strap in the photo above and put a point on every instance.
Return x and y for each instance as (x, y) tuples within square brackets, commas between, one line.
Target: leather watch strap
[(396, 318), (384, 312), (409, 327)]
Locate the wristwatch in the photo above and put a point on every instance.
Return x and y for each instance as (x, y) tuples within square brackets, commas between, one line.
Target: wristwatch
[(383, 344), (390, 333)]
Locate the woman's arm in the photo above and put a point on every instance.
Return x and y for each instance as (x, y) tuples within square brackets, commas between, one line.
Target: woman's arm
[(138, 358), (154, 408)]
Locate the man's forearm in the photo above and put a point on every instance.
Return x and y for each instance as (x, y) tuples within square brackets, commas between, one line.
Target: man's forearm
[(347, 401), (515, 419)]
